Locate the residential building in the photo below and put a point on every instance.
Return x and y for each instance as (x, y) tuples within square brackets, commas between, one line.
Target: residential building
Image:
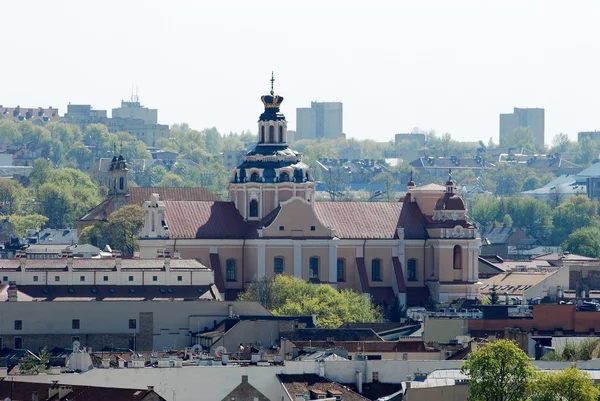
[(592, 135), (321, 120), (133, 109), (521, 118), (82, 115), (232, 158), (272, 225), (35, 115), (245, 392)]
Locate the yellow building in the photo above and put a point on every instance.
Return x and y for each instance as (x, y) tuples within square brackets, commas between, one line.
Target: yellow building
[(418, 246)]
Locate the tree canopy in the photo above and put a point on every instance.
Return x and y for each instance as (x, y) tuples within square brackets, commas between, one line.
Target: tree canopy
[(286, 295), (121, 232)]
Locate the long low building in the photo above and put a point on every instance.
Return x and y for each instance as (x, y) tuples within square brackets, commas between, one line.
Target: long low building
[(118, 324)]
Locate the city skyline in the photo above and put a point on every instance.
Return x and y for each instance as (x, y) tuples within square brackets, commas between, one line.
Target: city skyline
[(198, 63)]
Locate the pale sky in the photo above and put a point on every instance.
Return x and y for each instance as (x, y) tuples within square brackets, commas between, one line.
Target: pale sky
[(452, 66)]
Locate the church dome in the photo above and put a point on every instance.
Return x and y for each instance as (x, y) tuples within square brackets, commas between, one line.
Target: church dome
[(450, 201)]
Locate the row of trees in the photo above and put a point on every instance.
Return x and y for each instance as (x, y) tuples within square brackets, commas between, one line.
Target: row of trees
[(500, 371), (565, 224)]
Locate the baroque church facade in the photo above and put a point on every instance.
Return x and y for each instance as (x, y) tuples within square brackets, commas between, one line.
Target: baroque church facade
[(420, 246)]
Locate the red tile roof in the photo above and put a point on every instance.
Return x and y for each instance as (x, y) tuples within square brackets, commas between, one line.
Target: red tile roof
[(304, 383), (360, 219), (204, 220)]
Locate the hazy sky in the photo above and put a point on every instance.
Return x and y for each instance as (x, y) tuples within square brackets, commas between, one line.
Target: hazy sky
[(452, 66)]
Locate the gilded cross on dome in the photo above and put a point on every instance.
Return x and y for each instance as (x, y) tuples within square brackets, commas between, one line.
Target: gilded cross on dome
[(272, 82)]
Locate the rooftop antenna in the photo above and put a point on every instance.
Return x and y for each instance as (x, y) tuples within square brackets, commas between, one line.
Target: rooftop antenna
[(131, 97), (272, 83), (411, 177), (137, 98), (449, 174)]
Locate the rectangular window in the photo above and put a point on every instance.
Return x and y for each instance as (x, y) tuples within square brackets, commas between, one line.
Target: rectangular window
[(130, 278), (18, 325), (179, 278), (75, 324), (278, 265), (56, 278), (412, 270), (375, 377), (18, 343), (5, 278), (105, 278), (341, 270), (230, 270), (81, 278), (154, 278), (376, 270), (132, 324), (35, 278), (313, 268)]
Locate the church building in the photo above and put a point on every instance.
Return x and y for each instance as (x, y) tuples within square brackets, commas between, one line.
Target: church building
[(420, 246)]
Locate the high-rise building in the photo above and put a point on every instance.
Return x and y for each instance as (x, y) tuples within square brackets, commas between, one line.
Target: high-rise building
[(134, 109), (321, 120), (523, 118)]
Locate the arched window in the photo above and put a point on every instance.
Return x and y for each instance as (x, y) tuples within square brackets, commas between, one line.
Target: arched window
[(457, 257), (313, 268), (262, 134), (253, 208), (271, 134), (411, 270), (278, 265), (284, 177), (121, 182), (376, 270), (280, 134), (255, 177), (230, 270), (341, 270)]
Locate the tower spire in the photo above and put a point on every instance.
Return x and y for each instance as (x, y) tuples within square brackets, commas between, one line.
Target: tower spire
[(272, 83)]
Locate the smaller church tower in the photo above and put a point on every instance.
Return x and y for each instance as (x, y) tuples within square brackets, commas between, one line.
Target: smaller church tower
[(118, 187), (271, 173)]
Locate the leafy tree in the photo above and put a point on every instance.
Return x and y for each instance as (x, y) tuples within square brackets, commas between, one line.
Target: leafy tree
[(432, 304), (121, 232), (388, 181), (286, 295), (12, 195), (576, 212), (569, 384), (170, 180), (485, 211), (584, 241), (32, 364), (499, 371), (21, 224), (152, 176), (521, 137), (396, 310)]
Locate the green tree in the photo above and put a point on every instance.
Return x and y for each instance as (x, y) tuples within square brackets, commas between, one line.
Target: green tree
[(171, 180), (12, 196), (388, 181), (521, 137), (124, 227), (32, 364), (494, 295), (569, 384), (396, 310), (576, 212), (485, 211), (584, 241), (499, 371), (21, 224), (286, 295)]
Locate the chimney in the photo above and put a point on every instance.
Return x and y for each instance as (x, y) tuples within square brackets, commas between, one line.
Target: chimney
[(244, 378), (150, 388), (230, 307), (34, 396), (117, 256), (167, 263), (359, 381), (12, 291), (63, 391)]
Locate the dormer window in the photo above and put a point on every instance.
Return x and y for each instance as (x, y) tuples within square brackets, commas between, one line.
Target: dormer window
[(255, 177)]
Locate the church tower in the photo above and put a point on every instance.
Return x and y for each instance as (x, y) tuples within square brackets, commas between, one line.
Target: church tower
[(272, 172), (118, 187)]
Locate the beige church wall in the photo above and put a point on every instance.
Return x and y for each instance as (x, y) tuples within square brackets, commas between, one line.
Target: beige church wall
[(250, 264), (427, 200), (285, 192), (415, 252), (296, 217), (287, 252), (268, 202), (351, 275), (323, 254), (385, 254)]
